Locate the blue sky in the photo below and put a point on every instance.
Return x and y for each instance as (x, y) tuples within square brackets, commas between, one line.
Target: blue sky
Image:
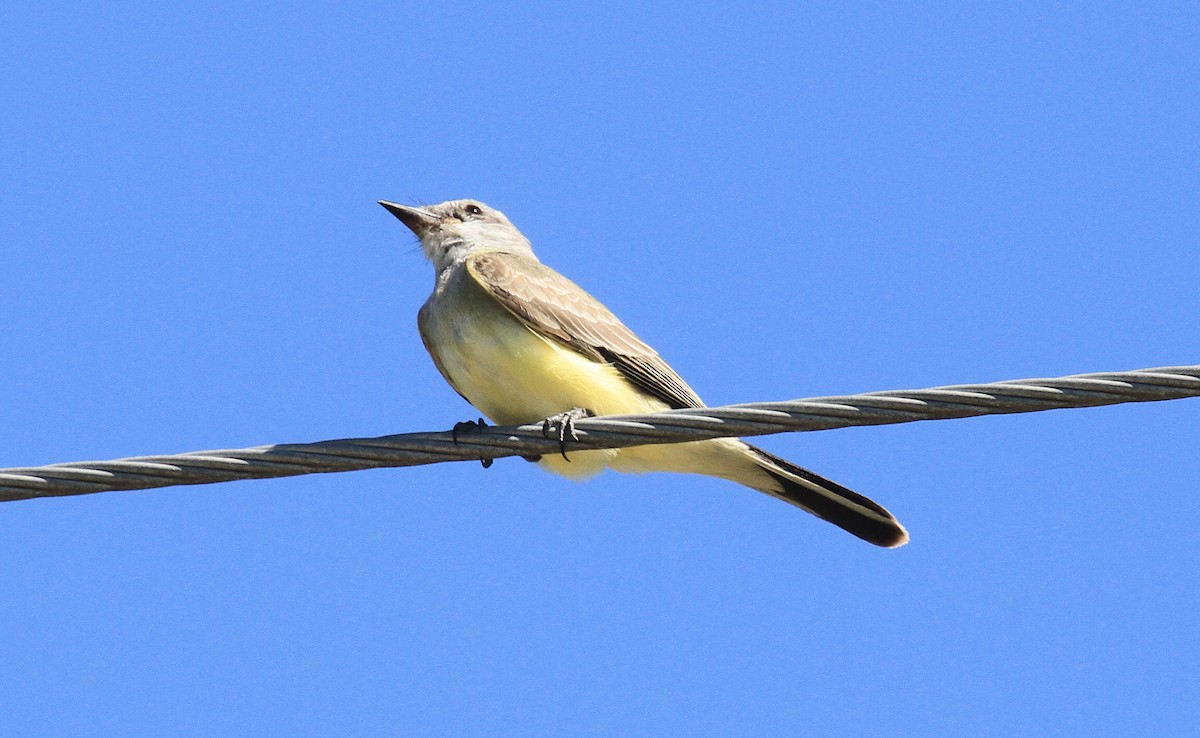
[(786, 201)]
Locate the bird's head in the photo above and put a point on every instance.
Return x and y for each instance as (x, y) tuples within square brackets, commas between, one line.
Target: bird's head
[(450, 230)]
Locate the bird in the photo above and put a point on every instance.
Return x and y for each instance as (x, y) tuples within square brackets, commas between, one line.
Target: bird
[(524, 344)]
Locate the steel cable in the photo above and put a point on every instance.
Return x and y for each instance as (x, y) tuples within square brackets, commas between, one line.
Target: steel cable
[(673, 426)]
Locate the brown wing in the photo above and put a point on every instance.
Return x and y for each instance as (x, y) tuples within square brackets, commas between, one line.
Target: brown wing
[(559, 309)]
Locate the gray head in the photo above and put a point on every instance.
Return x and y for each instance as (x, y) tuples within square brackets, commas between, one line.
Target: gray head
[(450, 230)]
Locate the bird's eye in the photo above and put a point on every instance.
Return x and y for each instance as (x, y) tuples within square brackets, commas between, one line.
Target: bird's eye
[(474, 210)]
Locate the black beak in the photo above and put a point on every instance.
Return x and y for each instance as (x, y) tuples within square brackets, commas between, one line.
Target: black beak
[(417, 220)]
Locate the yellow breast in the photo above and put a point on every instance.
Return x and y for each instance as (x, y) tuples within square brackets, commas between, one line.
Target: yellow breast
[(515, 375)]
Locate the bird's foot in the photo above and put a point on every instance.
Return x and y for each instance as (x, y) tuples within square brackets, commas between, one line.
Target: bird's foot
[(471, 425), (562, 427)]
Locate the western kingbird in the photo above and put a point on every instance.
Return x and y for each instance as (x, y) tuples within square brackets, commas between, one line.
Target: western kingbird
[(523, 343)]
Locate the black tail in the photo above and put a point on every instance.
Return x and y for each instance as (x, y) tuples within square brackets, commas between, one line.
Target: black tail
[(832, 502)]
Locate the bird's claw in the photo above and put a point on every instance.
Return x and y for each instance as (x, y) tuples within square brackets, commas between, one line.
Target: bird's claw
[(471, 425), (562, 427)]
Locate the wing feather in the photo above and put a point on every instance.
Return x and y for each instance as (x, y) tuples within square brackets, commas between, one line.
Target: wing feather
[(559, 309)]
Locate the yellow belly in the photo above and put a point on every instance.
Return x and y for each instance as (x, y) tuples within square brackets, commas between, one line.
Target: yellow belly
[(514, 375)]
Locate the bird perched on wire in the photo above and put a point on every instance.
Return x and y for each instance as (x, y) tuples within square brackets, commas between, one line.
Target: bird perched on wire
[(523, 343)]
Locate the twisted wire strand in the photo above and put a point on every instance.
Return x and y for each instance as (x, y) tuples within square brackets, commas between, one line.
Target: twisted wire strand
[(672, 426)]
